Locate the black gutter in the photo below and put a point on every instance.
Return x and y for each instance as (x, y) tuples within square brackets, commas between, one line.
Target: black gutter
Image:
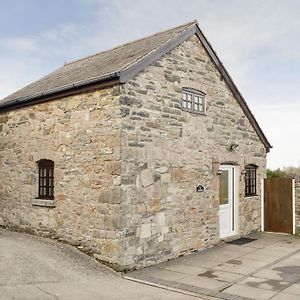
[(24, 101)]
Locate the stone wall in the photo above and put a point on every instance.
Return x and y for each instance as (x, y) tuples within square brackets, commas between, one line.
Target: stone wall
[(166, 152), (81, 134), (127, 162)]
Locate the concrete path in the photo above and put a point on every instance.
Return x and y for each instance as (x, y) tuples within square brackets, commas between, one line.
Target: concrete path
[(40, 269), (267, 268)]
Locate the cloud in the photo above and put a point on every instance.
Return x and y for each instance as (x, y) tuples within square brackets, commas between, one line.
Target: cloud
[(244, 34), (20, 43), (281, 124)]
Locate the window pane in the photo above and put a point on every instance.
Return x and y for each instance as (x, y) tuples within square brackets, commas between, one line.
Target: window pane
[(46, 179), (224, 187), (192, 101), (250, 181)]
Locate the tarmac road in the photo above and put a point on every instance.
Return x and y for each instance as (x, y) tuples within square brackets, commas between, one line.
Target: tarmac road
[(34, 268)]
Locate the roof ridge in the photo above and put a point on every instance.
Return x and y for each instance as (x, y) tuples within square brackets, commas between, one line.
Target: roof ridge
[(127, 43)]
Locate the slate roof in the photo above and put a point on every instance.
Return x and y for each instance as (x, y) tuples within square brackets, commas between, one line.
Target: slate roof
[(118, 65), (96, 67)]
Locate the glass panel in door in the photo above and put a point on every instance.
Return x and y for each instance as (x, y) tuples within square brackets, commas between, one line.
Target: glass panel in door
[(224, 178)]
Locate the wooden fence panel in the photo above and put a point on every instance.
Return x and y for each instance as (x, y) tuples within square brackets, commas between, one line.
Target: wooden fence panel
[(278, 205)]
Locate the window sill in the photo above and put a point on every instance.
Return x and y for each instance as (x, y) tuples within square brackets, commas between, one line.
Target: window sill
[(195, 112), (249, 196), (43, 203)]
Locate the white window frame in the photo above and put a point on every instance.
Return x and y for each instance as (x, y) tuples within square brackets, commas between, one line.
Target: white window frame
[(189, 100)]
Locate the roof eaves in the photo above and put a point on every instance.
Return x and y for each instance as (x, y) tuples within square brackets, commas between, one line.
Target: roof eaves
[(18, 101)]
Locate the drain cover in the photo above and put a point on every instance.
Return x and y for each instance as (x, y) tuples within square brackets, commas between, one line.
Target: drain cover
[(242, 241)]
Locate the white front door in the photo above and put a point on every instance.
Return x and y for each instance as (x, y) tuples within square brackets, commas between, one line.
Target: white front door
[(226, 196)]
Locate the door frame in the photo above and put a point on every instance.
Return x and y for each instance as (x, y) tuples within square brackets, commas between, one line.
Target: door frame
[(234, 208)]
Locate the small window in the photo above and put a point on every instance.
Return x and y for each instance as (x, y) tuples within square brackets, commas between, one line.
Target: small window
[(46, 179), (193, 101), (250, 180)]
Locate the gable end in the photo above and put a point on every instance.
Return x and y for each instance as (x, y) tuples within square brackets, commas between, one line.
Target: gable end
[(153, 56)]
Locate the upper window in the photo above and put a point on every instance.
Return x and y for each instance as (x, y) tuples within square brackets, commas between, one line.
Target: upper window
[(250, 180), (46, 179), (193, 100)]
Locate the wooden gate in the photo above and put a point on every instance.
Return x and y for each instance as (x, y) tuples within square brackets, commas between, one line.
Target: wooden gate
[(278, 205)]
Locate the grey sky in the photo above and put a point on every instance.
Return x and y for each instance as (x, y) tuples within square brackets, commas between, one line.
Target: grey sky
[(257, 40)]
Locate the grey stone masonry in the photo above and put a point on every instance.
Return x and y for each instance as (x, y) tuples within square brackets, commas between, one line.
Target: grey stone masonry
[(81, 134), (127, 160), (166, 152)]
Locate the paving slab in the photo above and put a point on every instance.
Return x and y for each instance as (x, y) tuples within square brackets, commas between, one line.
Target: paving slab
[(290, 265), (223, 254), (232, 268), (282, 249), (246, 262), (166, 274), (266, 284), (293, 289), (261, 270), (259, 257), (203, 262), (269, 252), (221, 275), (277, 275), (240, 248), (296, 255), (250, 292), (284, 296), (186, 269), (203, 282)]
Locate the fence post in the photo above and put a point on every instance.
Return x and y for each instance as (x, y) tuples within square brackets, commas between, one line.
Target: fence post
[(262, 203), (294, 206)]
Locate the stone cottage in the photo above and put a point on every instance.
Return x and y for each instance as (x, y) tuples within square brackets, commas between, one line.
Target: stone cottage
[(136, 155)]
